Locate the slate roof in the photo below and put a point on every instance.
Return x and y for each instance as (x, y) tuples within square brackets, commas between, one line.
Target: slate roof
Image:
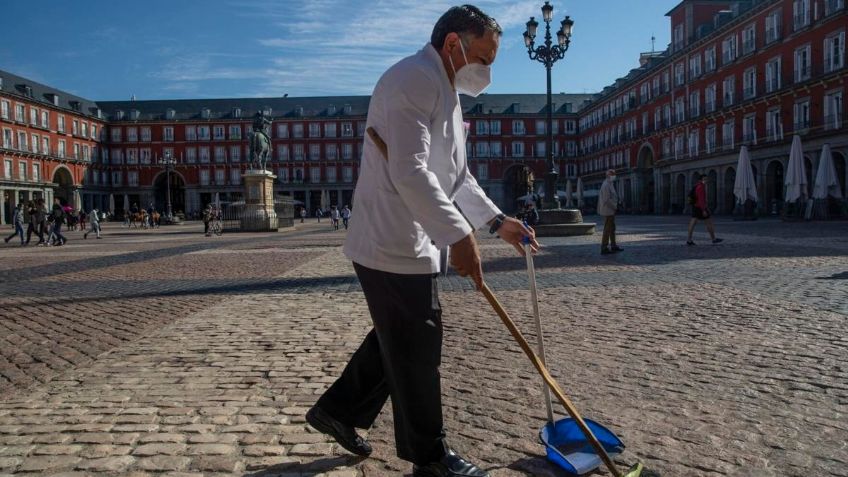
[(40, 93)]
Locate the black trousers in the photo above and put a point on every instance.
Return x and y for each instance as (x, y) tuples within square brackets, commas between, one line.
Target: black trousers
[(399, 357)]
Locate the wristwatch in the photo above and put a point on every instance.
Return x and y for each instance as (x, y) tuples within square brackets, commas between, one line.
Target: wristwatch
[(496, 224)]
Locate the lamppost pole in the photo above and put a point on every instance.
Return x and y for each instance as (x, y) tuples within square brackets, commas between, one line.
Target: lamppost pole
[(548, 54), (169, 163)]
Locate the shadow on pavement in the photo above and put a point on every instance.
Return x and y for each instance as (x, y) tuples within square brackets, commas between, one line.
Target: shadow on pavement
[(835, 276), (308, 469)]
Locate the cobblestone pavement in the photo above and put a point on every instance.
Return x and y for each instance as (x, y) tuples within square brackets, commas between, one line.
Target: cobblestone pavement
[(168, 353)]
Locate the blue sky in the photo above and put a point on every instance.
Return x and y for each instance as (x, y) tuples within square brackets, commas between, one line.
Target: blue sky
[(159, 49)]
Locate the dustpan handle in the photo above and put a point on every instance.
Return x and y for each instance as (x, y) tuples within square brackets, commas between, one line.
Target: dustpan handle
[(549, 380), (534, 301)]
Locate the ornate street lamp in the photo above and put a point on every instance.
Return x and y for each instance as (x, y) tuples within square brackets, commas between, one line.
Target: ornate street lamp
[(168, 163), (548, 54)]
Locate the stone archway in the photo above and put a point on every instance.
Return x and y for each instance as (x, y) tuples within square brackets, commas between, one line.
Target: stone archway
[(644, 180), (774, 190), (64, 190), (729, 182), (680, 193), (178, 196)]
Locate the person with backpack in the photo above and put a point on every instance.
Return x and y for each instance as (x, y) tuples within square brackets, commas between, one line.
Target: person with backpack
[(58, 215), (700, 211)]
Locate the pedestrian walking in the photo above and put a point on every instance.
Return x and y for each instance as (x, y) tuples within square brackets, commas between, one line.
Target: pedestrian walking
[(319, 213), (334, 217), (58, 215), (207, 217), (34, 222), (607, 206), (95, 224), (395, 247), (302, 214), (82, 216), (346, 216), (18, 222), (700, 211)]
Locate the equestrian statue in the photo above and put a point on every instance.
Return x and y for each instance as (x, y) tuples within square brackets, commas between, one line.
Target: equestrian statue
[(260, 142)]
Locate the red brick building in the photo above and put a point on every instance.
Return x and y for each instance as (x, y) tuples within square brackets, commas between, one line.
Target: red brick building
[(750, 72)]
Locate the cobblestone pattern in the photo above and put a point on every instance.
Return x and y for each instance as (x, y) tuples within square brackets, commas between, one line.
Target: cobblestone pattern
[(700, 374)]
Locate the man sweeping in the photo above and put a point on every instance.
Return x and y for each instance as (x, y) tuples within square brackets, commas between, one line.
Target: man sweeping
[(421, 200)]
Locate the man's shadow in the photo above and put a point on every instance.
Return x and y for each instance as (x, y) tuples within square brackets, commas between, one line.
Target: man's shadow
[(309, 468)]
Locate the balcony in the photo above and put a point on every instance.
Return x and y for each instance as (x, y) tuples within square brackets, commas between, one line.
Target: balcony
[(748, 46), (727, 101), (832, 122), (749, 92), (772, 35), (709, 106), (835, 64), (772, 85), (727, 57), (774, 134), (803, 73), (749, 139), (802, 125), (800, 21)]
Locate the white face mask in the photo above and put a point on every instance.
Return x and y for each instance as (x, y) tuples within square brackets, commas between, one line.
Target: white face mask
[(473, 78)]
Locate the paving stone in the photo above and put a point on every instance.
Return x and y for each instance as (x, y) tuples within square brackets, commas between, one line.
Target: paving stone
[(48, 463), (163, 463), (108, 464), (216, 463), (210, 449), (159, 449)]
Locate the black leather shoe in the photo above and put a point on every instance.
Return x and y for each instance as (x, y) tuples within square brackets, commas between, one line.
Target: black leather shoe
[(346, 436), (451, 465), (616, 248)]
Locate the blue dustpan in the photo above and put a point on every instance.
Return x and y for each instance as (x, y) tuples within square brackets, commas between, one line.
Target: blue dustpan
[(567, 446)]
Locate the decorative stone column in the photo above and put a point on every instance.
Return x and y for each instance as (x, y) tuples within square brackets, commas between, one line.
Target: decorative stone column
[(259, 214)]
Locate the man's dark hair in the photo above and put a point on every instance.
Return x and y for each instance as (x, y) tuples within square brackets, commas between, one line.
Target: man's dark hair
[(463, 20)]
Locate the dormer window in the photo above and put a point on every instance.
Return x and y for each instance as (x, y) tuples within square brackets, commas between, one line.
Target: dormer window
[(236, 112), (205, 113), (119, 114), (170, 113), (134, 114), (331, 110), (347, 109)]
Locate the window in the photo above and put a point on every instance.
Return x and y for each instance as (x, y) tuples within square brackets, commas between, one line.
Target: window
[(145, 133), (773, 26), (710, 98), (132, 133), (235, 176), (666, 82), (132, 156), (94, 132), (45, 145), (347, 174), (710, 59), (540, 126), (678, 37), (710, 139), (220, 176), (8, 139), (61, 150), (482, 127), (235, 153), (283, 174), (518, 149), (191, 133), (331, 174), (314, 152), (667, 115), (168, 134), (331, 152), (833, 104), (35, 143), (695, 104), (220, 154), (695, 66), (347, 152), (679, 74), (191, 154), (833, 6), (834, 52), (203, 133), (75, 128), (45, 120), (645, 93), (728, 49), (680, 110), (7, 169), (61, 125), (803, 69), (727, 134), (204, 177), (4, 109), (540, 149), (800, 14), (19, 113), (570, 127), (347, 129), (218, 132), (204, 154), (314, 174), (773, 75), (22, 170), (22, 141), (728, 90), (283, 131), (298, 152), (802, 115), (656, 86), (33, 116), (518, 127), (495, 149), (678, 146), (749, 129), (86, 152), (36, 172), (282, 152), (749, 39), (482, 171), (774, 126), (314, 130), (749, 83), (330, 130), (144, 155), (693, 143)]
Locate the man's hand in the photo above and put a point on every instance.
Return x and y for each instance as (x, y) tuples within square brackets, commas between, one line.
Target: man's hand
[(513, 231), (465, 258)]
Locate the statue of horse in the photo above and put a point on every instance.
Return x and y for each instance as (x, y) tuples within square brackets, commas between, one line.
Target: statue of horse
[(260, 149)]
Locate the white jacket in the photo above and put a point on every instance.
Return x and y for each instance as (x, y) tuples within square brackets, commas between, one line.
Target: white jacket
[(607, 199), (404, 208)]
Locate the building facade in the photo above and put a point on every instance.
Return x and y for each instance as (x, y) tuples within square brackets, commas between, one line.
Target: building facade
[(737, 73)]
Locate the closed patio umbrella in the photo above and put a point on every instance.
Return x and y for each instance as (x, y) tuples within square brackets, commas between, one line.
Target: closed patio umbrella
[(568, 189), (745, 187), (111, 204), (579, 192), (827, 184), (796, 177)]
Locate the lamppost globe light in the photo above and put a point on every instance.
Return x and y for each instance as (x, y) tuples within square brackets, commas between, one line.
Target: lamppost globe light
[(567, 26), (561, 38), (528, 42), (531, 28), (547, 12)]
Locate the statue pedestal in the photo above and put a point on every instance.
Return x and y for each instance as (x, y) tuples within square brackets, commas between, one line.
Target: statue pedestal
[(562, 222), (259, 214)]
